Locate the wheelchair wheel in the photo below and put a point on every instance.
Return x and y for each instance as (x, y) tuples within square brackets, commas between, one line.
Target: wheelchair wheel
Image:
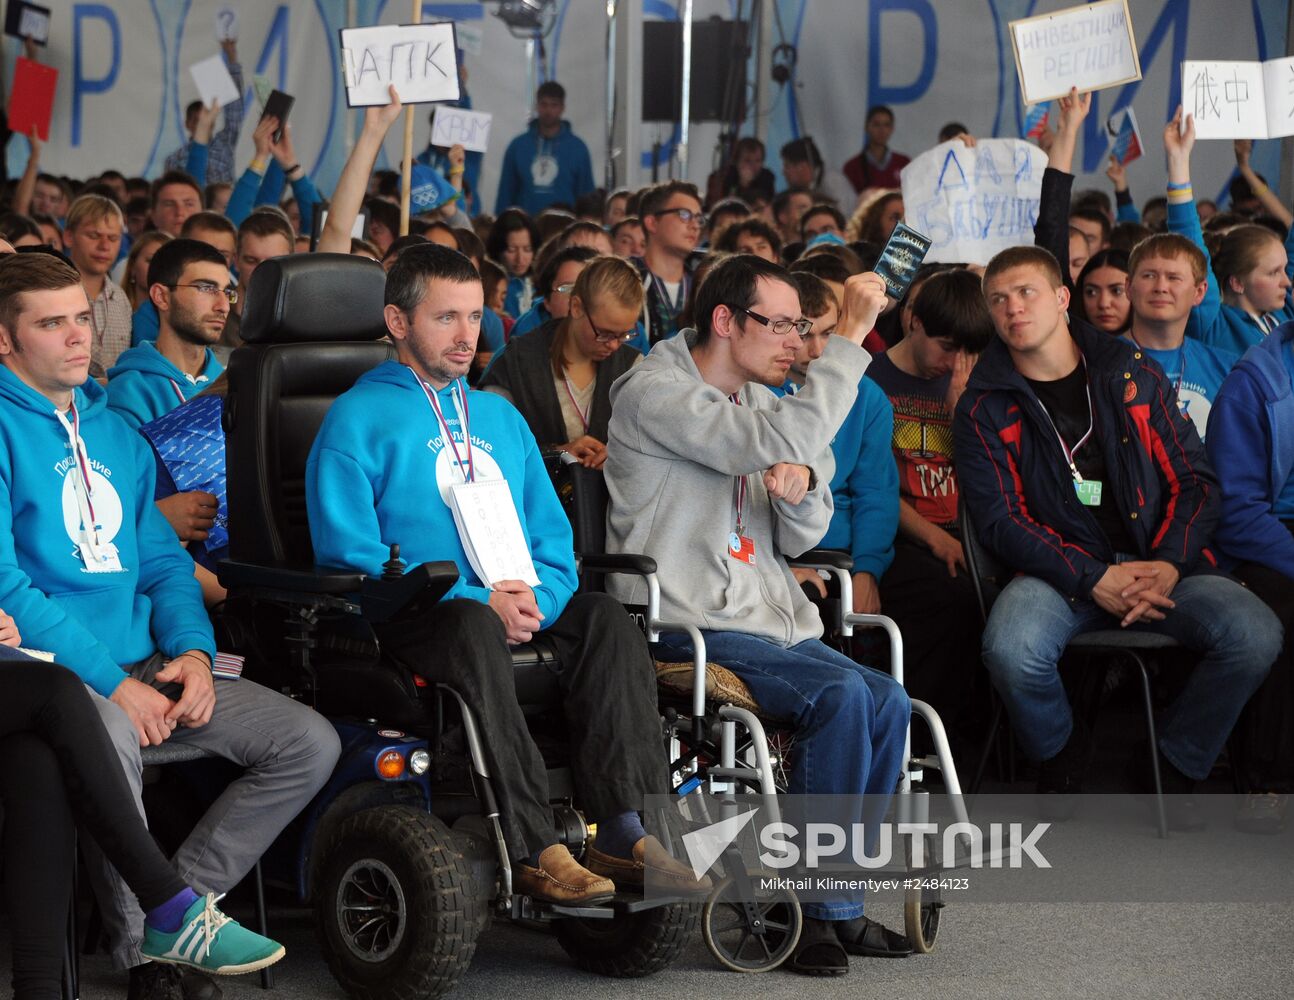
[(730, 939), (394, 913), (921, 918), (633, 944)]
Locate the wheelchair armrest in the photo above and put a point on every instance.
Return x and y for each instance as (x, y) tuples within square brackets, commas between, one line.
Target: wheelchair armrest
[(619, 562), (290, 579), (824, 559), (415, 591)]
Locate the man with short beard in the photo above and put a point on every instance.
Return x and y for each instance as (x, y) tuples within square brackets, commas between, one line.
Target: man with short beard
[(188, 282)]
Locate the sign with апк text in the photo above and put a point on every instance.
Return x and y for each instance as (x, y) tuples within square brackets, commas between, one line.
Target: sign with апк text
[(1089, 47), (972, 202), (418, 59)]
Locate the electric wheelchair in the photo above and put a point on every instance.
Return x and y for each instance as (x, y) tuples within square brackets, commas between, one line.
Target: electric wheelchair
[(402, 853)]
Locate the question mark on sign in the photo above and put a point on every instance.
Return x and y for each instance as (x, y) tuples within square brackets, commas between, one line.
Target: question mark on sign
[(226, 24)]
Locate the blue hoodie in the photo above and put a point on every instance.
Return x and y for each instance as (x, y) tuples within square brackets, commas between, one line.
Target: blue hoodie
[(1213, 321), (527, 180), (99, 623), (1251, 446), (372, 482), (865, 486), (144, 384)]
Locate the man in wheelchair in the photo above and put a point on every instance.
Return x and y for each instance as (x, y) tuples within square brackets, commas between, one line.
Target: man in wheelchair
[(92, 573), (393, 456), (720, 481)]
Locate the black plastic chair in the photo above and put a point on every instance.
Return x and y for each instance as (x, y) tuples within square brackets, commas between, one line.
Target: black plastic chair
[(1111, 645)]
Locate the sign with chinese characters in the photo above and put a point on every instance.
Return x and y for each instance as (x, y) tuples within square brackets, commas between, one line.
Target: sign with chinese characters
[(1239, 100)]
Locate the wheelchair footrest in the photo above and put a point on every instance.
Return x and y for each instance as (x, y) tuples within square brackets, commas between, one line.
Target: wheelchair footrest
[(528, 908)]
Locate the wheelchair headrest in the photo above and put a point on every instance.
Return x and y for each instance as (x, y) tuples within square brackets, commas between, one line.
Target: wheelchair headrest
[(313, 297)]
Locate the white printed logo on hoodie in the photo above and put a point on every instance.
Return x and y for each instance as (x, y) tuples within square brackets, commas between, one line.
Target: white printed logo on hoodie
[(107, 508), (448, 473)]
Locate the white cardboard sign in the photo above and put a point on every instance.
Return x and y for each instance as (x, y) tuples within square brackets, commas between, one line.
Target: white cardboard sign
[(1089, 47), (226, 24), (1239, 100), (214, 82), (419, 59), (456, 126), (972, 203)]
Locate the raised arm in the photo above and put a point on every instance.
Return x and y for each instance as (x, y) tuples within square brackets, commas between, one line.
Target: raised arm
[(353, 183), (1051, 232), (1271, 203)]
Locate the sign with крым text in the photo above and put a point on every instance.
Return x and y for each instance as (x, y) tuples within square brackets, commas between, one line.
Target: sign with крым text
[(452, 126), (1239, 100), (1090, 47), (419, 59), (971, 203)]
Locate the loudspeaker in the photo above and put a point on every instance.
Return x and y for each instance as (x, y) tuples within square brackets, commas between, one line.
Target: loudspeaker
[(718, 63)]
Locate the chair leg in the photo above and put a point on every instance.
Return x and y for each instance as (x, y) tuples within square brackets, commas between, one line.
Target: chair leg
[(267, 974), (71, 958), (994, 727), (1161, 816)]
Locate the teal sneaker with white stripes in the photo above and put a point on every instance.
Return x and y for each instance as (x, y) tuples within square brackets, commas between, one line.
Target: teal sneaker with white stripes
[(211, 941)]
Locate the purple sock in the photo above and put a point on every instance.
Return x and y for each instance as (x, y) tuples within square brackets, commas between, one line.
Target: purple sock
[(168, 917)]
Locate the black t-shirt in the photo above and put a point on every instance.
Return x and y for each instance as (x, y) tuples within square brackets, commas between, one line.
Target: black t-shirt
[(1065, 401)]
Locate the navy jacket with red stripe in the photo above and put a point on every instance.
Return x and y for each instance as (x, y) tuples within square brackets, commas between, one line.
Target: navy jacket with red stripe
[(1017, 486)]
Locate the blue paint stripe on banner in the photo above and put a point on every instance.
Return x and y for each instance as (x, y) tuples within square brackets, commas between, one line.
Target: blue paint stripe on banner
[(453, 11)]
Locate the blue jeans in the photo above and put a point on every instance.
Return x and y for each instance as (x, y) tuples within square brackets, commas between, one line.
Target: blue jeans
[(1032, 622), (850, 720)]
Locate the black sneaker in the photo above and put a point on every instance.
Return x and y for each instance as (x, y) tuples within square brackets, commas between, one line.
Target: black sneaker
[(1060, 778), (154, 981)]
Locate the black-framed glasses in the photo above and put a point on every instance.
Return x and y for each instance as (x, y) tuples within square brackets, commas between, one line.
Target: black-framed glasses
[(781, 327), (211, 288), (608, 337), (685, 215)]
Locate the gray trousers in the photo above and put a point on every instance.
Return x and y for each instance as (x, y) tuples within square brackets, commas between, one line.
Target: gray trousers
[(288, 751)]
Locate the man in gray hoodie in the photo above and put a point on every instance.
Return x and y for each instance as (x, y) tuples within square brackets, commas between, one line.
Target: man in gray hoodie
[(720, 481)]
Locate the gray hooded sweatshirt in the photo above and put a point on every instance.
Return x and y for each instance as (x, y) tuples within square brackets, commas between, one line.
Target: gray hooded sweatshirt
[(675, 449)]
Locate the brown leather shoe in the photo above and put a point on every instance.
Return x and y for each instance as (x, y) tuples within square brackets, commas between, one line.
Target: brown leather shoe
[(649, 854), (561, 879)]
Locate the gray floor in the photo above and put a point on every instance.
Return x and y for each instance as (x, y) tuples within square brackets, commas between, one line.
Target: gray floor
[(984, 950)]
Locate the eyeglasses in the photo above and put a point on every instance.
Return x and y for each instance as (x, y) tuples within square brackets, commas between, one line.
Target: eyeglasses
[(605, 337), (781, 327), (211, 288), (565, 289), (685, 215)]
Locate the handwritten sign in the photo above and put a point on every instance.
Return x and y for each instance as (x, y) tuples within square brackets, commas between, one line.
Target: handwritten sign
[(1239, 100), (226, 24), (971, 203), (419, 59), (456, 126), (27, 20), (1089, 47)]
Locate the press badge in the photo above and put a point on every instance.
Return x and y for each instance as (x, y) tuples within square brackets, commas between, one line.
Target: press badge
[(98, 558), (741, 548), (1089, 492)]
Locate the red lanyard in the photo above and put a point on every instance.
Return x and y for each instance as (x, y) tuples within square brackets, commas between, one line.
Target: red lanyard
[(739, 489), (466, 467), (1091, 423), (582, 414)]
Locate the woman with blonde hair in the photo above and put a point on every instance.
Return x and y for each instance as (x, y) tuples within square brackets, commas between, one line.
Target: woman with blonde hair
[(559, 376)]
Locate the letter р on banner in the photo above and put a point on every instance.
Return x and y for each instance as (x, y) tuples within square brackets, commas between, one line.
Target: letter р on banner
[(1089, 47), (420, 59)]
